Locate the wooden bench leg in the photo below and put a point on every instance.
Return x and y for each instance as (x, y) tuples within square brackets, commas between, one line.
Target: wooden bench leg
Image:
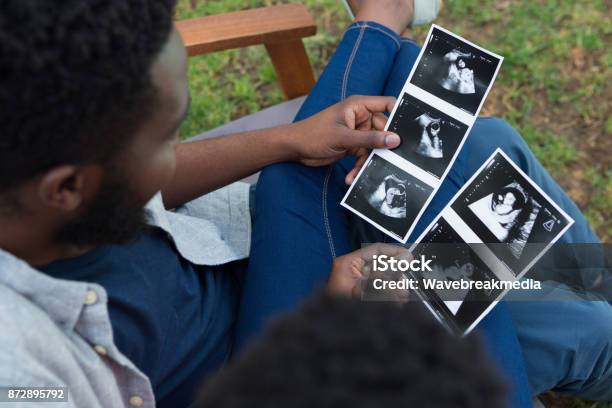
[(292, 67)]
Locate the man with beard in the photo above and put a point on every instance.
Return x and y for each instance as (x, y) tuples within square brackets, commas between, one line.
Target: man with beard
[(133, 307), (121, 303)]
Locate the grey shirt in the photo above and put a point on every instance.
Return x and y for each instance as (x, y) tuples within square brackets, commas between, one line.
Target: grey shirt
[(57, 332)]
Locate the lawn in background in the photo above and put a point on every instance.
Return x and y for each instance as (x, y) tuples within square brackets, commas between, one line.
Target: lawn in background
[(555, 85)]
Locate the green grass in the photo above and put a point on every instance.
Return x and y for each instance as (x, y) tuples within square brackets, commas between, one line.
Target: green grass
[(554, 85)]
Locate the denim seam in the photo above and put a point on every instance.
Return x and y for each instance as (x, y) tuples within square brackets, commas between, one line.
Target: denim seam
[(350, 64), (330, 238), (397, 42), (387, 34), (409, 40)]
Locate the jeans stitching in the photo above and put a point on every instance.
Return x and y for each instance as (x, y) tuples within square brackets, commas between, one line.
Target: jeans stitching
[(387, 34), (365, 25), (330, 238), (356, 24), (362, 28), (350, 63)]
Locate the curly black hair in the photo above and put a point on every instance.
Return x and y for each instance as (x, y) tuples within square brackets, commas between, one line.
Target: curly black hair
[(74, 79), (337, 352)]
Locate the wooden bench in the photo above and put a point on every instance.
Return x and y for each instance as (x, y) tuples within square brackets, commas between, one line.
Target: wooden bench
[(279, 28)]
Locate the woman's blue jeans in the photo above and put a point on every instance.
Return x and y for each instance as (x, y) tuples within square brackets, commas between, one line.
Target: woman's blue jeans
[(300, 226)]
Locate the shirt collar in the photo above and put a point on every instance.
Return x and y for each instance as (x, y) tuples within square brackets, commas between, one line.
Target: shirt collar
[(62, 300)]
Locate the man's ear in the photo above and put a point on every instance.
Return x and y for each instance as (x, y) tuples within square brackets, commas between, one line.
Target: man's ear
[(67, 187)]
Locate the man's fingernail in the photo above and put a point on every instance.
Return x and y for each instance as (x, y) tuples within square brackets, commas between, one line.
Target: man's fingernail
[(392, 140)]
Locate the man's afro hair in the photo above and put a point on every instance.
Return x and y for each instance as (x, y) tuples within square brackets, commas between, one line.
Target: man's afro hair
[(74, 79)]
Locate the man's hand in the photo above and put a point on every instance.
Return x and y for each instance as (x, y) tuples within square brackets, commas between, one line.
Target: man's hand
[(350, 270), (348, 128), (351, 127)]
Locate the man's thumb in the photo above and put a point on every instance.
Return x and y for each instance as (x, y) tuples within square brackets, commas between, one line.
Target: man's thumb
[(374, 139)]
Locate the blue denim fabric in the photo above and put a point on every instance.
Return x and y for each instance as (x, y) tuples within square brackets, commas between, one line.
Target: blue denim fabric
[(300, 226)]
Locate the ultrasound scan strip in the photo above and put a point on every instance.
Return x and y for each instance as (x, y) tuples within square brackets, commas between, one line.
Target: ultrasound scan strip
[(495, 228), (433, 116)]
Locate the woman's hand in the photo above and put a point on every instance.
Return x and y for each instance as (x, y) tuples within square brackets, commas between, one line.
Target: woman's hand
[(350, 271)]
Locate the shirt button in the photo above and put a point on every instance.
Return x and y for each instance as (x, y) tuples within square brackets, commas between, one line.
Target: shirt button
[(91, 297), (136, 401), (101, 350)]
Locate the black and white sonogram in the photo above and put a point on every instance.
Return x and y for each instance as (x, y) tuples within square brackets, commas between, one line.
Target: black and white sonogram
[(453, 260), (388, 196), (429, 137), (455, 71), (503, 207)]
